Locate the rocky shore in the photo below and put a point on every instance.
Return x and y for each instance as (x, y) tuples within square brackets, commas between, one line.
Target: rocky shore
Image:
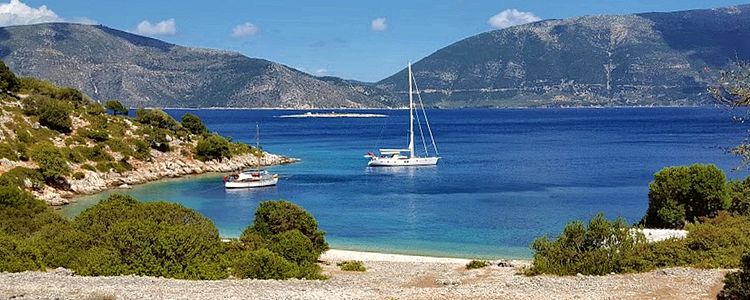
[(397, 277), (162, 165)]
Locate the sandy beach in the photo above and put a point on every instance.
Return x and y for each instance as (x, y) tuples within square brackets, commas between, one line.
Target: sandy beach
[(388, 276)]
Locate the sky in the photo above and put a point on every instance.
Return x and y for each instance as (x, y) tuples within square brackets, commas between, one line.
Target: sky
[(361, 40)]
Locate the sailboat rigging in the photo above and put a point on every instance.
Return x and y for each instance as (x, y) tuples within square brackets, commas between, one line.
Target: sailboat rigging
[(252, 178), (407, 157)]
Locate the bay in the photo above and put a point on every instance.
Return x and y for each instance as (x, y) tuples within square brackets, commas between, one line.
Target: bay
[(506, 176)]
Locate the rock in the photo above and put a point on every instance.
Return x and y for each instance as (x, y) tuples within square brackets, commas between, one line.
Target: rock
[(124, 186)]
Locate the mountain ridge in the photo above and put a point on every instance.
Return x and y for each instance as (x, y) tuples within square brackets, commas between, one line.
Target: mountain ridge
[(108, 63)]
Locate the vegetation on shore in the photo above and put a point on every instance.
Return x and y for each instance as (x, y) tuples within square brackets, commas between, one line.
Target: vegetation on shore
[(352, 266), (62, 134), (121, 236)]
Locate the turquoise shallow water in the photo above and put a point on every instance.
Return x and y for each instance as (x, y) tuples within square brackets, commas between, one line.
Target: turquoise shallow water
[(506, 176)]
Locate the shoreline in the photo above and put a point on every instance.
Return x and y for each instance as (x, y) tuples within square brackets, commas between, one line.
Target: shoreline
[(367, 256), (436, 108), (163, 166)]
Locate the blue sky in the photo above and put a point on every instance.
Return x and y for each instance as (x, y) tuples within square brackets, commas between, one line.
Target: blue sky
[(363, 40)]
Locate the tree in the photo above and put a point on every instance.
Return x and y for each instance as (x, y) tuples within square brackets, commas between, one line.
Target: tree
[(277, 217), (9, 83), (56, 116), (193, 124), (51, 163), (116, 107), (733, 90), (212, 147), (684, 194), (156, 118)]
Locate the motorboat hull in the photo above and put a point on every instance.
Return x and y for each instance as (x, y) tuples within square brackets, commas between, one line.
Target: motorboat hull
[(402, 162)]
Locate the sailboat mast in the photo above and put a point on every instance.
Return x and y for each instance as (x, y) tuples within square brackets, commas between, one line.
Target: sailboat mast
[(257, 146), (411, 116)]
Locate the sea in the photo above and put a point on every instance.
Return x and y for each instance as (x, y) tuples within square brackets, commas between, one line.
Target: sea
[(506, 176)]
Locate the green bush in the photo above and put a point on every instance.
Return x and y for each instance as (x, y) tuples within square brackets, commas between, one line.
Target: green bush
[(600, 248), (142, 150), (212, 147), (56, 116), (262, 264), (21, 214), (9, 83), (294, 247), (155, 118), (276, 217), (78, 175), (154, 239), (73, 96), (193, 124), (477, 264), (52, 165), (116, 107), (352, 266), (252, 241), (33, 105), (737, 284), (8, 151), (59, 245), (739, 196), (684, 194), (16, 255), (30, 85), (96, 135), (20, 177)]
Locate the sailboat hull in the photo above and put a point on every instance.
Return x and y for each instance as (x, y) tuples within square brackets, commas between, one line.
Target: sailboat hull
[(402, 161), (251, 183)]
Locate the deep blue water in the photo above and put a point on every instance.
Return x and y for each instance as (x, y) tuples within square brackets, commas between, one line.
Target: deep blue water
[(506, 176)]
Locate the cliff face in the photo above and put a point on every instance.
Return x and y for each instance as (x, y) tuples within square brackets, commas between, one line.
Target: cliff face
[(644, 59), (110, 64)]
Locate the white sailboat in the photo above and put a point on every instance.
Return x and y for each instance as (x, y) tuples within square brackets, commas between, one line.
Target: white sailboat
[(407, 157), (252, 178)]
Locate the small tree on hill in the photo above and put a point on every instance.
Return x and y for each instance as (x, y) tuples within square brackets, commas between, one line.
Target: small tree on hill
[(193, 124), (212, 147), (9, 83), (116, 107)]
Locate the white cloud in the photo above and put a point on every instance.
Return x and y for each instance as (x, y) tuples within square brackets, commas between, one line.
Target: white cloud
[(321, 72), (245, 30), (379, 24), (18, 13), (166, 27), (511, 17)]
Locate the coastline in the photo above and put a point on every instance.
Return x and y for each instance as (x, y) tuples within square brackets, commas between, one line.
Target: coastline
[(162, 166)]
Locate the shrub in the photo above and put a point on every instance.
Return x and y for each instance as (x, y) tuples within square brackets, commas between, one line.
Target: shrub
[(154, 239), (59, 245), (275, 217), (193, 124), (157, 139), (737, 284), (96, 135), (739, 196), (352, 265), (72, 95), (600, 248), (251, 240), (477, 264), (262, 264), (16, 255), (32, 86), (78, 175), (212, 147), (22, 177), (116, 107), (32, 105), (685, 194), (8, 151), (294, 247), (155, 118), (56, 116), (9, 83), (21, 214), (52, 165)]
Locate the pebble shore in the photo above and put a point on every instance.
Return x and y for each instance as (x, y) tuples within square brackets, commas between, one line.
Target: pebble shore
[(393, 279)]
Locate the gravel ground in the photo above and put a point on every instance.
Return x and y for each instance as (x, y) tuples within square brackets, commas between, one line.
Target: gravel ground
[(382, 280)]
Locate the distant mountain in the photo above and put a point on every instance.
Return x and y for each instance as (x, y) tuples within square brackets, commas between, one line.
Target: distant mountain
[(642, 59), (111, 64)]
